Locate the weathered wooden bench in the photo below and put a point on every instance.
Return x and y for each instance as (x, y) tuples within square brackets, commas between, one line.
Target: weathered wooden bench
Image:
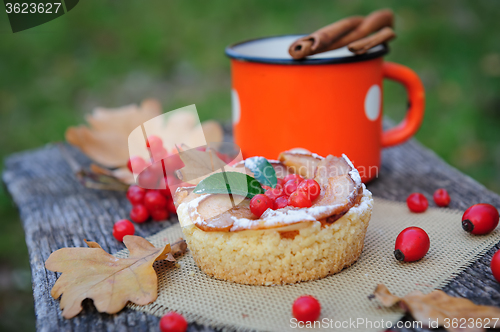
[(57, 211)]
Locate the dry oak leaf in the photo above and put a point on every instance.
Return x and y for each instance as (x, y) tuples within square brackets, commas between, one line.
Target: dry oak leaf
[(198, 165), (438, 306), (106, 139), (109, 281)]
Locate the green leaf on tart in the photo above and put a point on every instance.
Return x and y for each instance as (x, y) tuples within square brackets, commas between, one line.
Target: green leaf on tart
[(229, 183), (262, 170)]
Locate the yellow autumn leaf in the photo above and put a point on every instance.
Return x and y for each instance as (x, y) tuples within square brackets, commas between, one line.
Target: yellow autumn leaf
[(109, 281)]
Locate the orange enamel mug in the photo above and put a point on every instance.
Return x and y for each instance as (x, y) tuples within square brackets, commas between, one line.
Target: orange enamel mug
[(329, 103)]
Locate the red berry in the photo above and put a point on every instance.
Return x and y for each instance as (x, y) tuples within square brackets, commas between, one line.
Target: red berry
[(135, 194), (165, 192), (293, 177), (411, 244), (159, 153), (154, 141), (139, 213), (417, 203), (160, 214), (121, 228), (299, 199), (290, 186), (171, 206), (173, 322), (280, 202), (441, 197), (311, 188), (495, 265), (136, 164), (480, 219), (149, 178), (153, 200), (173, 163), (280, 183), (306, 309), (274, 193), (260, 203)]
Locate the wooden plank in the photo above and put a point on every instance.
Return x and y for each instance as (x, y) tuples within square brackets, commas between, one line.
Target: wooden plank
[(57, 212)]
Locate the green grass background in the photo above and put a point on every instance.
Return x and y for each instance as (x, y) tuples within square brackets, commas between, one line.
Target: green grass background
[(111, 53)]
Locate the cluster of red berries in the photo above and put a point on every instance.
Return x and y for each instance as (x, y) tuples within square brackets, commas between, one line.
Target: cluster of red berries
[(146, 203), (293, 190)]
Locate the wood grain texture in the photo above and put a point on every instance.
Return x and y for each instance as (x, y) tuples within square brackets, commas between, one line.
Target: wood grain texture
[(56, 211)]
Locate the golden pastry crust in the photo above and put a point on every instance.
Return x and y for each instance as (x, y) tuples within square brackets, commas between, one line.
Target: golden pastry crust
[(308, 251)]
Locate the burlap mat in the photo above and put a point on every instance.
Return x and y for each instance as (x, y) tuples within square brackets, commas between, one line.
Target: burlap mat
[(343, 297)]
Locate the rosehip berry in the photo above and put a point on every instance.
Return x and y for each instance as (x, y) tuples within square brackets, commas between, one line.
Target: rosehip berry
[(171, 206), (260, 203), (153, 200), (154, 141), (173, 322), (139, 213), (293, 177), (480, 219), (411, 244), (311, 188), (417, 203), (299, 199), (290, 186), (441, 197), (135, 194), (136, 164), (274, 193), (280, 202), (160, 214), (495, 265), (306, 309), (121, 228)]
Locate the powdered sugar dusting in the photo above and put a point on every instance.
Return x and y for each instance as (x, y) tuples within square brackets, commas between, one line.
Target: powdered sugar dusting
[(354, 173), (305, 152)]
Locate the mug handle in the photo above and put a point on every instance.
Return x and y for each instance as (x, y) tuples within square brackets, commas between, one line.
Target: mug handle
[(416, 95)]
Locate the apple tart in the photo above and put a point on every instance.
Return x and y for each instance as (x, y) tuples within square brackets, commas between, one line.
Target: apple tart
[(285, 245)]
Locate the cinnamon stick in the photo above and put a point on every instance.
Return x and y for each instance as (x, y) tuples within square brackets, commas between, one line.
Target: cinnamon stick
[(372, 23), (320, 40), (345, 32), (362, 45)]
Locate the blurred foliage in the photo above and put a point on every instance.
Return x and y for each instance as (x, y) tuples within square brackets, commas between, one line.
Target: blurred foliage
[(111, 53)]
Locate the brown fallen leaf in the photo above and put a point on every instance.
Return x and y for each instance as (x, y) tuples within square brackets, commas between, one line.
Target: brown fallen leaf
[(105, 140), (438, 306), (179, 247), (109, 281), (122, 173)]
